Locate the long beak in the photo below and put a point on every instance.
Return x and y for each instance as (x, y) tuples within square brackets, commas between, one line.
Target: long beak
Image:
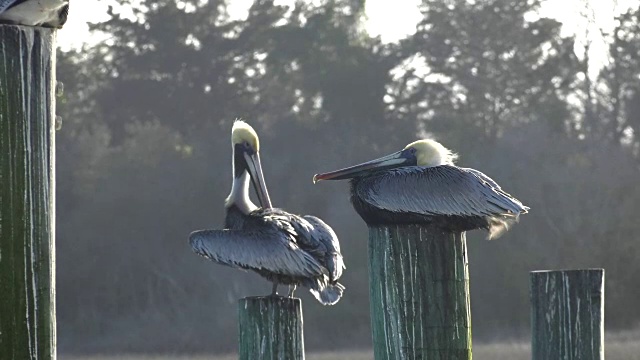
[(386, 162), (255, 171)]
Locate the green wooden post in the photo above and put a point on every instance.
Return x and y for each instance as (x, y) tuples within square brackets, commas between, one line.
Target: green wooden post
[(270, 328), (567, 314), (419, 291), (27, 192)]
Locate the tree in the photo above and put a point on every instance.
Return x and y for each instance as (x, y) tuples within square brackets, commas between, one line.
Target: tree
[(619, 84), (489, 66), (143, 156)]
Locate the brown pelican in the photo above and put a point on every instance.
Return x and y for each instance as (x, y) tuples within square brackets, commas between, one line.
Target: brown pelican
[(47, 13), (420, 184), (282, 247)]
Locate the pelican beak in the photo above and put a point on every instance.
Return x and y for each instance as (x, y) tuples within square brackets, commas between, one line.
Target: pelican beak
[(394, 160), (255, 170)]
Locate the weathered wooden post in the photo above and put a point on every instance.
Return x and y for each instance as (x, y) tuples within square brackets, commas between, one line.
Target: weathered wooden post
[(27, 192), (270, 328), (567, 314), (419, 291)]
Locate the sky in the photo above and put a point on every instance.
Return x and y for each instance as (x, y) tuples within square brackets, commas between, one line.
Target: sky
[(76, 31), (390, 22)]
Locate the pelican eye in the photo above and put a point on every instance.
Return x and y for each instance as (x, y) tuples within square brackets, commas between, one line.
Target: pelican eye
[(412, 151)]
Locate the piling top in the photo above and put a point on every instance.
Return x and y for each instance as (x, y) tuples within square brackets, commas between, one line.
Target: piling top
[(567, 270), (281, 301), (269, 297), (10, 33)]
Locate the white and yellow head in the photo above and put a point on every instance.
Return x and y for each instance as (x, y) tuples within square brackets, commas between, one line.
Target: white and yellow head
[(243, 134), (246, 164), (425, 153), (431, 153)]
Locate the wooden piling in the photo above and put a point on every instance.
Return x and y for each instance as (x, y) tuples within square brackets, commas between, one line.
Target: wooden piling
[(27, 252), (419, 291), (270, 328), (567, 314)]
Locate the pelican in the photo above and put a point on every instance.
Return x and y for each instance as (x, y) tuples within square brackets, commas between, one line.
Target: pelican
[(47, 13), (421, 185), (283, 248)]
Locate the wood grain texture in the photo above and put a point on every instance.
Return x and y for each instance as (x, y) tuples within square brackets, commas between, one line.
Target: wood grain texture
[(27, 252), (567, 314), (270, 328), (419, 291)]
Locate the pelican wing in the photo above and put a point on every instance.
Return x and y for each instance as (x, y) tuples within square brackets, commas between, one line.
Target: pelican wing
[(5, 4), (439, 190), (312, 235), (324, 235), (483, 177), (258, 250)]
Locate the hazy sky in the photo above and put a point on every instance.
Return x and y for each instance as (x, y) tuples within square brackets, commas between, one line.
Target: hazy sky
[(391, 22)]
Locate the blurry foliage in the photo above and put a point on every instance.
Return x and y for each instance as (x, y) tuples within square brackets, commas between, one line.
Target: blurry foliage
[(618, 85), (144, 157), (489, 69)]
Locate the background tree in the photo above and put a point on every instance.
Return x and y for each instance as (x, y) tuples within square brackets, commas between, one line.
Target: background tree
[(144, 156), (620, 82)]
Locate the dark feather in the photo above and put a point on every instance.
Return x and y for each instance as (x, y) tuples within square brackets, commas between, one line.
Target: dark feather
[(446, 196), (8, 4), (260, 249), (280, 246)]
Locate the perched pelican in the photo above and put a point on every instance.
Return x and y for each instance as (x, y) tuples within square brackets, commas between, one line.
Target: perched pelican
[(420, 184), (47, 13), (284, 248)]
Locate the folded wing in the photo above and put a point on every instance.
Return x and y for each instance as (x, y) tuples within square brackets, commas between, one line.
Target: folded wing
[(324, 235), (440, 190), (258, 250), (6, 4)]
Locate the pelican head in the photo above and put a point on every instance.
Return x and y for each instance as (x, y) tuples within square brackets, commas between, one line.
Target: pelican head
[(426, 153), (246, 161)]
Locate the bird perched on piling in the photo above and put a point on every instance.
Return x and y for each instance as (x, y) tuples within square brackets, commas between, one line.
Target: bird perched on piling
[(421, 185), (283, 248), (46, 13)]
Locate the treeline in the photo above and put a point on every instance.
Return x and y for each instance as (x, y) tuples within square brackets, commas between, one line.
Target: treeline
[(143, 156)]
